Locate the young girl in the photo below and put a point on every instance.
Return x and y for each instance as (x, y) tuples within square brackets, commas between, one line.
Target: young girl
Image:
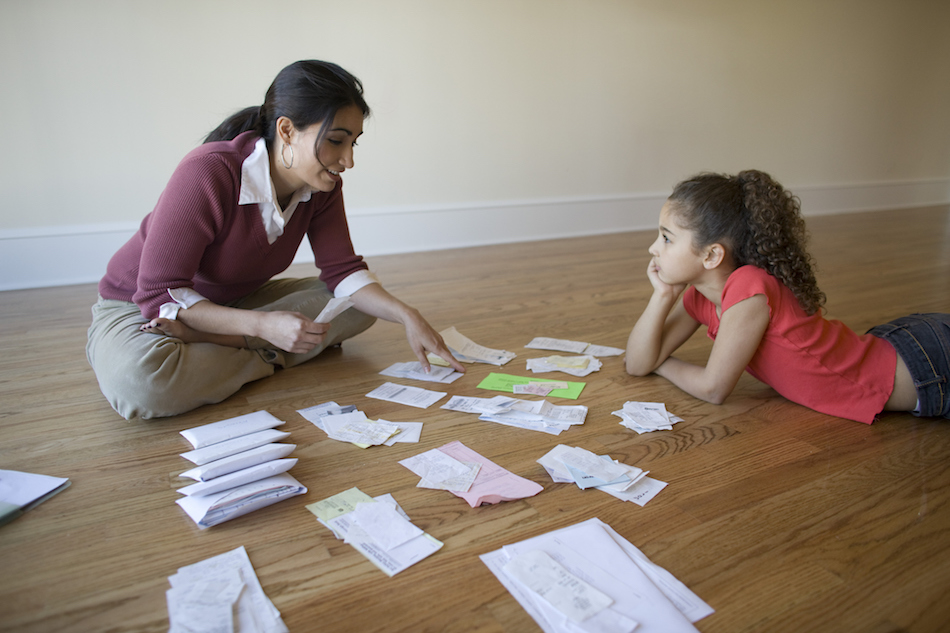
[(734, 248), (188, 311)]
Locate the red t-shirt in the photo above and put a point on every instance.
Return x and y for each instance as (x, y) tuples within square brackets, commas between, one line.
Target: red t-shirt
[(198, 236), (816, 362)]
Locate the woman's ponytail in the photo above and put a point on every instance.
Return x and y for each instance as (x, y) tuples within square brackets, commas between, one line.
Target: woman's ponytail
[(238, 123)]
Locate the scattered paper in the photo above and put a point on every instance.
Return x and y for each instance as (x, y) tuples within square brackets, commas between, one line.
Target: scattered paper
[(561, 589), (333, 308), (442, 472), (643, 595), (566, 464), (644, 417), (467, 351), (221, 594), (402, 394), (414, 371), (573, 347), (20, 492), (493, 484), (506, 382), (574, 365), (352, 523)]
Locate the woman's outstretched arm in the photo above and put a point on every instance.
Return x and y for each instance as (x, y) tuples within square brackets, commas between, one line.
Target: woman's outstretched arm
[(741, 329)]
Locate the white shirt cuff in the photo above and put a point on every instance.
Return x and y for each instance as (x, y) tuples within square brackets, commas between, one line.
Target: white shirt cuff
[(183, 298), (354, 282)]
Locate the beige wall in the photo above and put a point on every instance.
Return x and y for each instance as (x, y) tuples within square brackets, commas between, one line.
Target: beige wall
[(477, 101)]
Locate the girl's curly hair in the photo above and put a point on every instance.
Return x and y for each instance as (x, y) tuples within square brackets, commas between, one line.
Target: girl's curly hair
[(758, 220)]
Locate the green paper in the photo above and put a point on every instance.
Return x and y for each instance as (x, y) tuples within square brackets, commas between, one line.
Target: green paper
[(506, 382)]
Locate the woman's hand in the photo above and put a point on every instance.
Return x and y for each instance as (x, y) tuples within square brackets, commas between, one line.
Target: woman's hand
[(291, 331), (423, 338)]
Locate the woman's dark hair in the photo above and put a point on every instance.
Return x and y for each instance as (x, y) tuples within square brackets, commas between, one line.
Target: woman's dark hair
[(306, 92), (758, 220)]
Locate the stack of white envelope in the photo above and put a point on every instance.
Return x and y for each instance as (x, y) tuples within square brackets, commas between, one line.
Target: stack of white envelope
[(537, 415), (586, 577), (239, 467), (645, 417), (567, 464), (223, 594)]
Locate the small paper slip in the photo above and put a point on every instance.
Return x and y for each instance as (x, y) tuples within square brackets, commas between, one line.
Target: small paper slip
[(506, 382), (644, 417), (399, 545), (442, 472), (227, 448), (209, 434), (214, 508), (239, 478), (402, 394), (413, 371), (409, 432), (333, 308), (573, 347), (561, 589), (467, 351), (574, 365), (354, 427), (21, 492), (493, 484), (539, 415), (240, 461), (221, 594), (467, 404), (534, 388), (642, 596)]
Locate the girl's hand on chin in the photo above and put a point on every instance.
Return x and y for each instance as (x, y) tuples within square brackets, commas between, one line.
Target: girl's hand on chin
[(661, 286)]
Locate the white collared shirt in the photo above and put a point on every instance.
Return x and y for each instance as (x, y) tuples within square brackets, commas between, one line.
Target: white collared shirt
[(257, 187)]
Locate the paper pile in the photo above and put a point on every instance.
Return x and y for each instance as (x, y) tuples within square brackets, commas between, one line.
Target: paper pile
[(587, 577), (447, 468), (467, 351), (576, 465), (574, 365), (644, 417), (221, 595), (378, 528), (572, 347), (239, 468), (414, 371), (538, 415), (349, 424)]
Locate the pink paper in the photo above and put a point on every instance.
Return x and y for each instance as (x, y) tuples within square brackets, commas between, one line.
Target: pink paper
[(493, 483)]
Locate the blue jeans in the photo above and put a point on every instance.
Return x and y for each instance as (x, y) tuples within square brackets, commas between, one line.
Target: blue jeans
[(923, 341)]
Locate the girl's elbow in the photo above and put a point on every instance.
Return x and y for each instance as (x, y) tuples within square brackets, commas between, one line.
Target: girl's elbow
[(637, 369)]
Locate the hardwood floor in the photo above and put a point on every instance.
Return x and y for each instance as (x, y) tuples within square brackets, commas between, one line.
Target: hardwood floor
[(780, 518)]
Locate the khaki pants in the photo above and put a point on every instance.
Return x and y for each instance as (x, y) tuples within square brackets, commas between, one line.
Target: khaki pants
[(150, 376)]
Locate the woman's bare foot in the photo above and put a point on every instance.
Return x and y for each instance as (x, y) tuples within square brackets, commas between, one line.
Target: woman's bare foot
[(173, 328)]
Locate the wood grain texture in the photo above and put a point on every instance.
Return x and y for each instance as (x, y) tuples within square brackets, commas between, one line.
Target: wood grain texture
[(781, 518)]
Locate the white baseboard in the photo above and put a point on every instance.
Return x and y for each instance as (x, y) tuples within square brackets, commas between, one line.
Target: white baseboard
[(65, 255)]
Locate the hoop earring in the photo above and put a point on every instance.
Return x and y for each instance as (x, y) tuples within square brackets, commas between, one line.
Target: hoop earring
[(284, 162)]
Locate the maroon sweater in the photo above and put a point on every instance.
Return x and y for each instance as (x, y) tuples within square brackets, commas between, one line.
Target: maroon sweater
[(199, 237)]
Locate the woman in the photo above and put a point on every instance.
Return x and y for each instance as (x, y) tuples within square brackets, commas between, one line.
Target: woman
[(188, 312)]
